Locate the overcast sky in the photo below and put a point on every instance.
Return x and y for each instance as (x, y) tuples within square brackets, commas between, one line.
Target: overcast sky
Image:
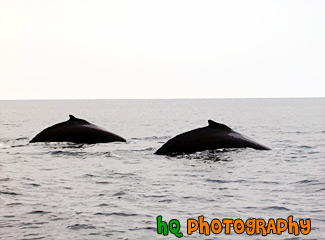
[(62, 49)]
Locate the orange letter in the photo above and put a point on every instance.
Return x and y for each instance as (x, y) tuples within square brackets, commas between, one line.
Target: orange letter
[(271, 226), (250, 223), (191, 229), (294, 225), (280, 228), (219, 228), (260, 224), (241, 229), (305, 228), (227, 223), (203, 224)]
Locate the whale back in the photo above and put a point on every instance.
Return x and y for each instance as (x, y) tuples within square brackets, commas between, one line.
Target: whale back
[(78, 131), (214, 136), (74, 120), (219, 126)]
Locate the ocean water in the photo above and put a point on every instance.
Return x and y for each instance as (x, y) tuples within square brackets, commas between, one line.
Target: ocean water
[(116, 190)]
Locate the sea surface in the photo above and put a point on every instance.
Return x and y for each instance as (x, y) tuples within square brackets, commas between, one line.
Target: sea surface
[(116, 190)]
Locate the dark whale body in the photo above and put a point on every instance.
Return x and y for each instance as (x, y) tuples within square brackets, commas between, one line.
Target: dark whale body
[(212, 137), (77, 131)]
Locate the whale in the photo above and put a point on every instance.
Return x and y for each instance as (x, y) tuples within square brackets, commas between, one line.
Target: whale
[(212, 137), (76, 130)]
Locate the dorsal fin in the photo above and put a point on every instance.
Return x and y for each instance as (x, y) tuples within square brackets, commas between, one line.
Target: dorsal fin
[(214, 124), (72, 118), (77, 120)]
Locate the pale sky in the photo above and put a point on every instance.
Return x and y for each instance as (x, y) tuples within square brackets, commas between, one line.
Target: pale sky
[(100, 49)]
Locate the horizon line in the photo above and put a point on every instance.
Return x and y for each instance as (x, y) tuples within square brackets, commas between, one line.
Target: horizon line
[(195, 98)]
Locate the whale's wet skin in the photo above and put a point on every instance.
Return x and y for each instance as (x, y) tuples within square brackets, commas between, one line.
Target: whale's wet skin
[(77, 131), (64, 190), (214, 136)]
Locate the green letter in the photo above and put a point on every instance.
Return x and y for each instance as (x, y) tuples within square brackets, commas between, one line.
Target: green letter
[(175, 230), (161, 226)]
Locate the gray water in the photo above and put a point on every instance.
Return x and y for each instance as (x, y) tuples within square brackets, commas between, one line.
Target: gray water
[(116, 190)]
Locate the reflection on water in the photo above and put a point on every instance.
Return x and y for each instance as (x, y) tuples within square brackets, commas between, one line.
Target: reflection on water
[(116, 190)]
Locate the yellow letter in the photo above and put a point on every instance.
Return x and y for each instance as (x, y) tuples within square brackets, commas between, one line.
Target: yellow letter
[(219, 228), (260, 224), (294, 225), (250, 223), (280, 228), (191, 229), (271, 226), (305, 228), (241, 229), (203, 224), (227, 223)]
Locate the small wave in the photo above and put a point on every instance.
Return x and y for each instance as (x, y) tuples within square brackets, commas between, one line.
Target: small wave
[(9, 193), (320, 190), (81, 154), (166, 201), (4, 179), (155, 138), (142, 228), (28, 179), (306, 181), (33, 184), (269, 182), (154, 196), (144, 150), (103, 182), (136, 139), (295, 238), (151, 138), (226, 181), (55, 218), (90, 175), (313, 152), (21, 138), (64, 145), (17, 146), (13, 143), (81, 226), (207, 155), (305, 147), (68, 153), (31, 224), (103, 205), (14, 204), (119, 193), (33, 238), (217, 181), (107, 154), (250, 207), (122, 175), (38, 212), (277, 208), (296, 132), (259, 182), (118, 214)]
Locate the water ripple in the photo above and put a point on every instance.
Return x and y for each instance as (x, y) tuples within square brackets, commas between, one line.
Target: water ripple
[(38, 212), (9, 193), (117, 214), (276, 208), (81, 226)]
